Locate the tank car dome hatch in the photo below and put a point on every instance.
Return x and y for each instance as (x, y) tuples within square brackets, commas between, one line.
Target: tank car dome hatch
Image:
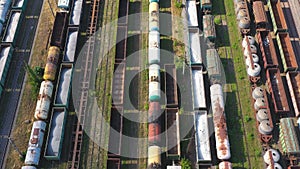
[(244, 23), (262, 115), (253, 50), (225, 165), (250, 39), (258, 92), (276, 166), (265, 127), (241, 13), (240, 5), (274, 155), (255, 71), (254, 58), (260, 102)]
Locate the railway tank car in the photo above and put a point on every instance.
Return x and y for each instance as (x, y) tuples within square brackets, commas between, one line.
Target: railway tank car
[(44, 99), (154, 16), (154, 160), (154, 82), (52, 61), (154, 43), (217, 104), (37, 134)]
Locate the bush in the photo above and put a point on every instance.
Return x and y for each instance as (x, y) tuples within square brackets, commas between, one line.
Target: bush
[(178, 4), (248, 118), (185, 163), (217, 20)]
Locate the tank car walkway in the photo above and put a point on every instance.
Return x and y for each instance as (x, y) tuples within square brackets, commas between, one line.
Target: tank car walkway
[(16, 74)]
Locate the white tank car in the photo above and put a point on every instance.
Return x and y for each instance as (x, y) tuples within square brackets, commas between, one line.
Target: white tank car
[(37, 134), (154, 49), (217, 104), (154, 82), (154, 16)]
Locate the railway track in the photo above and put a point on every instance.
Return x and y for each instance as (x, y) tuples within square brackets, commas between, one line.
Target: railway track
[(77, 135)]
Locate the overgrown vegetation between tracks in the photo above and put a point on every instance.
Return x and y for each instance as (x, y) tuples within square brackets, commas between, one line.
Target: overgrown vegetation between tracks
[(246, 152)]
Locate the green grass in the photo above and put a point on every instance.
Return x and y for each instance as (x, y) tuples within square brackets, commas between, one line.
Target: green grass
[(246, 148)]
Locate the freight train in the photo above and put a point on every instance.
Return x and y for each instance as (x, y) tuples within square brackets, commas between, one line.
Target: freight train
[(154, 149), (44, 100)]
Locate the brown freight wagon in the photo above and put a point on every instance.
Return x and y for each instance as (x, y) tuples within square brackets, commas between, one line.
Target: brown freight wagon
[(277, 16), (293, 81), (171, 85), (260, 16), (277, 91), (59, 29), (267, 49)]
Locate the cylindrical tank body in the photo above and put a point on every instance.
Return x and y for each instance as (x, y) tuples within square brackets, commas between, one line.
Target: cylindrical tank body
[(250, 39), (240, 5), (33, 156), (265, 127), (154, 112), (154, 133), (37, 134), (244, 23), (275, 156), (154, 52), (154, 82), (28, 167), (52, 61), (259, 103), (253, 50), (254, 58), (46, 89), (154, 153), (42, 108), (276, 166), (255, 71), (241, 13), (217, 104), (154, 16), (262, 115), (225, 165), (258, 92)]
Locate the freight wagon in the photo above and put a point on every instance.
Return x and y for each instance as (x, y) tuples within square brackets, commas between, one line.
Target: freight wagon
[(206, 6), (56, 131), (64, 4), (116, 131), (219, 119), (171, 85), (202, 135), (286, 52), (277, 91), (154, 16), (293, 81), (260, 15), (44, 99), (59, 29), (118, 84), (70, 47), (52, 63), (191, 9), (198, 92), (267, 49), (195, 47), (154, 82), (173, 133), (6, 51), (213, 66), (75, 14), (63, 88), (13, 28), (209, 27), (154, 112), (277, 16)]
